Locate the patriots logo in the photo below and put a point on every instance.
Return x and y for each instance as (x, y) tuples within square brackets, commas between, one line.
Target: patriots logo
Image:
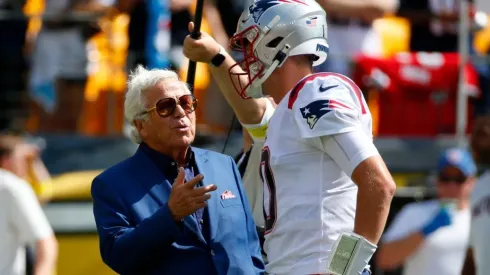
[(259, 7), (316, 109)]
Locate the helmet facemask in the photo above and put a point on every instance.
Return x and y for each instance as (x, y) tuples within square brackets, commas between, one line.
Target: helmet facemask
[(251, 65), (254, 69)]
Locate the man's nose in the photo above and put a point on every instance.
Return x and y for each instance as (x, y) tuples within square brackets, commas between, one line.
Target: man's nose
[(179, 111)]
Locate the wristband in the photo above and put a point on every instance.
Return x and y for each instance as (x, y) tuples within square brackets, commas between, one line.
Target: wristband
[(219, 58)]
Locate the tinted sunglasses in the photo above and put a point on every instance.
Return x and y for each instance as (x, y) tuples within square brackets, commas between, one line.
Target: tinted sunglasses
[(166, 106), (455, 179)]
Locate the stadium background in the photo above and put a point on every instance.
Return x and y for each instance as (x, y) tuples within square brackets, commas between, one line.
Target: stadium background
[(75, 158)]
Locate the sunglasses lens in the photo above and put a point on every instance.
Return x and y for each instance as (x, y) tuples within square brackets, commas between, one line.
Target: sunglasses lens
[(165, 107), (188, 103), (448, 179)]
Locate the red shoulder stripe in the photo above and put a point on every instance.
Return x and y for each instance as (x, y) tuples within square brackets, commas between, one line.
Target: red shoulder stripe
[(350, 84), (354, 87), (295, 91)]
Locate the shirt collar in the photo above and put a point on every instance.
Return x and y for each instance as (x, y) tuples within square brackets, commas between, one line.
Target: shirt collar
[(163, 160)]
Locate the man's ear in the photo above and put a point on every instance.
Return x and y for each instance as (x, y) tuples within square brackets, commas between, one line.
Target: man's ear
[(140, 126)]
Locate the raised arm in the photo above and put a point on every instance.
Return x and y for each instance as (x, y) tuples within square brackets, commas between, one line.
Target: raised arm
[(248, 111)]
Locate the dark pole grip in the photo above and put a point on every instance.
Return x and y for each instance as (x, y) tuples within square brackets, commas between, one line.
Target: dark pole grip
[(196, 33)]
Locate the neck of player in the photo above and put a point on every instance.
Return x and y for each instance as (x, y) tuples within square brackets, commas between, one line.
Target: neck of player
[(283, 79)]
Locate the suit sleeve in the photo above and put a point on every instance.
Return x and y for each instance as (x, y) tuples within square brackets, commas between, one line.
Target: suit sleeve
[(124, 247), (253, 238)]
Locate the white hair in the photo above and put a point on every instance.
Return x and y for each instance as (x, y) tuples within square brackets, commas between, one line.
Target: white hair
[(139, 81)]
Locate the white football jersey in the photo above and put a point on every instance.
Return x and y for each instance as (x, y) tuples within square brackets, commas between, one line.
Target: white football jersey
[(309, 197)]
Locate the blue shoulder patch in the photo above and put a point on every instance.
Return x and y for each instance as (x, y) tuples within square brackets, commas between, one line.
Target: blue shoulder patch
[(314, 111)]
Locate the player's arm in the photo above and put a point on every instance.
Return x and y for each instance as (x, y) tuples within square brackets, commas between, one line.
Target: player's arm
[(469, 263), (356, 154), (248, 111)]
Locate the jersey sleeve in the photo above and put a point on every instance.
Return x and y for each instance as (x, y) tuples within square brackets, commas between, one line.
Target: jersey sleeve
[(326, 105), (258, 131), (26, 213), (348, 150)]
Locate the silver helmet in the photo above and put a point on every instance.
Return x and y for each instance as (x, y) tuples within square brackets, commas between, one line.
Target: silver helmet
[(269, 31)]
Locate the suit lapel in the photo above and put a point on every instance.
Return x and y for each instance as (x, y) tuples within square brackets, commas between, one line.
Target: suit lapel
[(205, 167)]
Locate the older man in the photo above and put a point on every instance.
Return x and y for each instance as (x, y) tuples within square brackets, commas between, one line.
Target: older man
[(172, 208)]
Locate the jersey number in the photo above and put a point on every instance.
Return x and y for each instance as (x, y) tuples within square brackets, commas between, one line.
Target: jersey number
[(270, 202)]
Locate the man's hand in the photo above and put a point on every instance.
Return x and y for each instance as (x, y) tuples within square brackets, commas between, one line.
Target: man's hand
[(202, 49), (185, 199), (441, 219)]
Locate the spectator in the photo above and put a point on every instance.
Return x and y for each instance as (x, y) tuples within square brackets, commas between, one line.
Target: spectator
[(154, 211), (431, 237), (476, 262), (59, 65), (22, 221)]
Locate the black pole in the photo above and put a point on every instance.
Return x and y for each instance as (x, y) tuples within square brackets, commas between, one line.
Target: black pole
[(191, 70)]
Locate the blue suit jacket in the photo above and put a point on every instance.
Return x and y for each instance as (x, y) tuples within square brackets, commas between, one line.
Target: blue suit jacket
[(138, 235)]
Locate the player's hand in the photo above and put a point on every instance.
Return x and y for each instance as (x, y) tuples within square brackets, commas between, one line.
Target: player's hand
[(441, 219), (202, 49), (185, 199)]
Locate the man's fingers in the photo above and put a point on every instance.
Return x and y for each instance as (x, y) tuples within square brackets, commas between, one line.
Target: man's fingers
[(180, 177), (205, 189), (194, 181), (202, 198), (191, 26)]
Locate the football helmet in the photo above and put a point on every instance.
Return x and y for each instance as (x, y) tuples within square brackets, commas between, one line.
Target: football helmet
[(268, 32)]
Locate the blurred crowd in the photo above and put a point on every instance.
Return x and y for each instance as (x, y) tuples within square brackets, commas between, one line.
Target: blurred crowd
[(64, 66)]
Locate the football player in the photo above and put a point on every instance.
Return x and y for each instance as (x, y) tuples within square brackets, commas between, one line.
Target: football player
[(322, 173)]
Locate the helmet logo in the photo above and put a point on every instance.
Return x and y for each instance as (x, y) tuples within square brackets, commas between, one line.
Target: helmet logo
[(259, 7)]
